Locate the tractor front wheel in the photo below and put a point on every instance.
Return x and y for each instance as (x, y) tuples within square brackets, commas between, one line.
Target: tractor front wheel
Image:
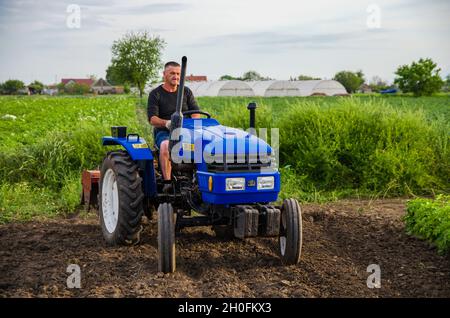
[(290, 239), (166, 238), (120, 199)]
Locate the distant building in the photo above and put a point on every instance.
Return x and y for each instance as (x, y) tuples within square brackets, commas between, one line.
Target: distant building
[(101, 86), (365, 89), (24, 91), (50, 90), (118, 90), (196, 78), (86, 81)]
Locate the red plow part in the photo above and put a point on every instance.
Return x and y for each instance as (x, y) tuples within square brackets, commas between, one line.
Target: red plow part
[(89, 180)]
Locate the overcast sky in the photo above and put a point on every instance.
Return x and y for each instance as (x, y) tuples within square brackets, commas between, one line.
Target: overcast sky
[(277, 38)]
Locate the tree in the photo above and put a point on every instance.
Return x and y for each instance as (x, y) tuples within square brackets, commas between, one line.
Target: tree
[(228, 78), (112, 76), (12, 87), (247, 76), (36, 87), (60, 86), (350, 80), (420, 78), (306, 78), (76, 89), (136, 58), (377, 84), (93, 77), (447, 83), (252, 76), (126, 88)]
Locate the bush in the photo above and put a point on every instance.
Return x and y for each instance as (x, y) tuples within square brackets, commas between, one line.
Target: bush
[(430, 220), (365, 146), (76, 89)]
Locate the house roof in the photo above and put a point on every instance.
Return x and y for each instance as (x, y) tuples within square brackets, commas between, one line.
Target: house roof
[(86, 81), (102, 83), (196, 78)]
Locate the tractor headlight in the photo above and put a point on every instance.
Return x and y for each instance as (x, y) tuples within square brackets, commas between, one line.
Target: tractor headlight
[(234, 184), (265, 183)]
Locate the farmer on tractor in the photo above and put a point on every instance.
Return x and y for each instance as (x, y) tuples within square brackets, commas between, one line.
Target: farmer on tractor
[(161, 105), (234, 198)]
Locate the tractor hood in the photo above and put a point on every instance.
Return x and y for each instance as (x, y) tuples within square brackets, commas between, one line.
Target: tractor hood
[(215, 139)]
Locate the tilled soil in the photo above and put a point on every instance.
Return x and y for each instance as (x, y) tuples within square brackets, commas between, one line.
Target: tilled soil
[(340, 240)]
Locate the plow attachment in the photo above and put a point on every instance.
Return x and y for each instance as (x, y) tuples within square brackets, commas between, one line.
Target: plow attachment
[(89, 194)]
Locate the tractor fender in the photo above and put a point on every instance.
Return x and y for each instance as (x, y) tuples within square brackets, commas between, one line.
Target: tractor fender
[(136, 146)]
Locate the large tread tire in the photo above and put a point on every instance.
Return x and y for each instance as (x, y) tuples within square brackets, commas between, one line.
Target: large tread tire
[(130, 199), (290, 239), (166, 238)]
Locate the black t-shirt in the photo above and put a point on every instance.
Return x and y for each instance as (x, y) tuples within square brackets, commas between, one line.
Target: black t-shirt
[(163, 104)]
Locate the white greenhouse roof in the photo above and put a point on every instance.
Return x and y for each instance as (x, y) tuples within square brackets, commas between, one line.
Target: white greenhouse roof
[(326, 87), (224, 88), (274, 88), (263, 88)]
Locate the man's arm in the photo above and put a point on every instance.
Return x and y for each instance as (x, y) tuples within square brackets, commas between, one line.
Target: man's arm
[(158, 122), (192, 104), (153, 111)]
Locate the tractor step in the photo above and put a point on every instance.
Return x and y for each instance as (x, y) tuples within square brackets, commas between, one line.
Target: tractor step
[(89, 181)]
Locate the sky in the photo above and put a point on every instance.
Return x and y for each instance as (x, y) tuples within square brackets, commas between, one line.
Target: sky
[(44, 40)]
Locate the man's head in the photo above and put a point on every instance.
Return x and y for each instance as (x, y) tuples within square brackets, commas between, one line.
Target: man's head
[(171, 73)]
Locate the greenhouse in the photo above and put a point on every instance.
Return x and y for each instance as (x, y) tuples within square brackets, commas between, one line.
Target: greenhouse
[(274, 88), (263, 88), (221, 88), (320, 87)]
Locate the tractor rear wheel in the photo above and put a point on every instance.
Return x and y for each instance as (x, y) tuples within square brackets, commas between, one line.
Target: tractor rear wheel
[(166, 238), (290, 238), (120, 199)]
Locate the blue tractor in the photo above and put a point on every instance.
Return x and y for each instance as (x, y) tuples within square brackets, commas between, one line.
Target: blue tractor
[(232, 193)]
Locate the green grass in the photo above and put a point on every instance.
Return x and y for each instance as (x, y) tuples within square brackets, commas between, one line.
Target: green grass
[(430, 220), (369, 147), (43, 150), (330, 147), (434, 108)]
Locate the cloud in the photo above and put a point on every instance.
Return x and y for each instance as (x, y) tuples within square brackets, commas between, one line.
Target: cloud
[(319, 37), (276, 40), (156, 8), (413, 4)]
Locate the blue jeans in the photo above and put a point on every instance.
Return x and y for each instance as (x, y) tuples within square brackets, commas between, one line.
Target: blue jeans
[(160, 137)]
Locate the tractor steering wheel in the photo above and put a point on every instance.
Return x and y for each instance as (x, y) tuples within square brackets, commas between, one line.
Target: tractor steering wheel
[(191, 112)]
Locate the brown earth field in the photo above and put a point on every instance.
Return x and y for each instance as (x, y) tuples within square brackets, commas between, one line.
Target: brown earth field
[(340, 241)]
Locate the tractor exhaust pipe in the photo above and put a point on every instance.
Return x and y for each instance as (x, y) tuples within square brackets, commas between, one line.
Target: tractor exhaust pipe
[(177, 117), (252, 108)]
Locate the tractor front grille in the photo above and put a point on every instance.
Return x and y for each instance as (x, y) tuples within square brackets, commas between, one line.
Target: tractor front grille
[(239, 163)]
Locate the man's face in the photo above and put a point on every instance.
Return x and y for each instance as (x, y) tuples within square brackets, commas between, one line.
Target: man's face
[(172, 75)]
